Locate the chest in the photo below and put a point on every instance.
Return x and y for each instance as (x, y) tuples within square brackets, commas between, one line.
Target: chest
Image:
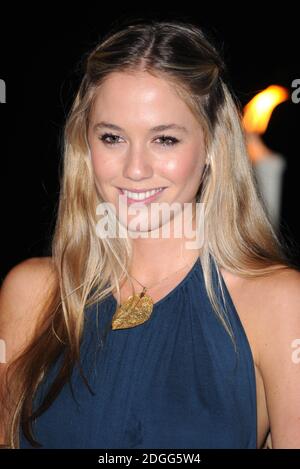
[(157, 292)]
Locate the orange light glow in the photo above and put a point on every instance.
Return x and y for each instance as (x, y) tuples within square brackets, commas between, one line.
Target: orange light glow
[(258, 111)]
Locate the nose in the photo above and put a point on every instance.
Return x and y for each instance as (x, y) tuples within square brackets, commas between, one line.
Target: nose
[(138, 163)]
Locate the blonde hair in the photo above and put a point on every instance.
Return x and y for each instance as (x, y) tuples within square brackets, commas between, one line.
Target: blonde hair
[(238, 234)]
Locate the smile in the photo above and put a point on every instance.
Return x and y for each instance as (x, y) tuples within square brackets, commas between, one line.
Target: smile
[(147, 196)]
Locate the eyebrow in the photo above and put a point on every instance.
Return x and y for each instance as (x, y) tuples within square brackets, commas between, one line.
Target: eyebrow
[(157, 128)]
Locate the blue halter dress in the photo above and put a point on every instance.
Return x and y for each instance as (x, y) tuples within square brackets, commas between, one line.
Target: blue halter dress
[(174, 381)]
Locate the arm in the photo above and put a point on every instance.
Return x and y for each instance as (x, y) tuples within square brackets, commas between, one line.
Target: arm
[(279, 359), (21, 299)]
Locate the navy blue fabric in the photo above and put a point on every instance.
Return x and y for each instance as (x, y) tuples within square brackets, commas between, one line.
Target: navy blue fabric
[(173, 382)]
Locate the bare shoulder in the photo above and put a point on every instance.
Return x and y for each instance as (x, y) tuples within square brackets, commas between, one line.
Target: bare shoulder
[(23, 293), (281, 293), (34, 266), (30, 279), (266, 304)]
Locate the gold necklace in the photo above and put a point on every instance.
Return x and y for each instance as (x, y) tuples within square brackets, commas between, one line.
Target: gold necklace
[(137, 309)]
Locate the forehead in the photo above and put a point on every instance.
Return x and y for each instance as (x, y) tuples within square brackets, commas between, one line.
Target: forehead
[(140, 97)]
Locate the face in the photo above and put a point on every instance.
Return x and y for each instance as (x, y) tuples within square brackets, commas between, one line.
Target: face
[(127, 153)]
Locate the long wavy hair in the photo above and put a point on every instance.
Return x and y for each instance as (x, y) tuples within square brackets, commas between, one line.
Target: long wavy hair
[(87, 267)]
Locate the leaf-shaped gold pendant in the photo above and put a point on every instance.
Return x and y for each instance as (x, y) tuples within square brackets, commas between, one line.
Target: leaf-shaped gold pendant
[(136, 310)]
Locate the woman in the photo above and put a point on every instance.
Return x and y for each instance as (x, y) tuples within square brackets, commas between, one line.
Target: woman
[(201, 355)]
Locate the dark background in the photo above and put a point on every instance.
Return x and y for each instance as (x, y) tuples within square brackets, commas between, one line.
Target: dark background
[(41, 49)]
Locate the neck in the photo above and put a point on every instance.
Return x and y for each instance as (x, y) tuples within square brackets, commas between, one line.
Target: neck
[(155, 258)]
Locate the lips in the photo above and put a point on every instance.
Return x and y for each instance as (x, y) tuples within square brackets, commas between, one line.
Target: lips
[(143, 200), (140, 190)]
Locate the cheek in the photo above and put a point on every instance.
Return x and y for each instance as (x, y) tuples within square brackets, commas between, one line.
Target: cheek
[(104, 168), (185, 167)]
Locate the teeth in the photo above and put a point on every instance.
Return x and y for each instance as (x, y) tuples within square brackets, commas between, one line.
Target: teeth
[(140, 195)]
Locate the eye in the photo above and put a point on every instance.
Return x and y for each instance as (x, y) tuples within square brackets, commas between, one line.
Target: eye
[(105, 136), (168, 140), (172, 140)]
